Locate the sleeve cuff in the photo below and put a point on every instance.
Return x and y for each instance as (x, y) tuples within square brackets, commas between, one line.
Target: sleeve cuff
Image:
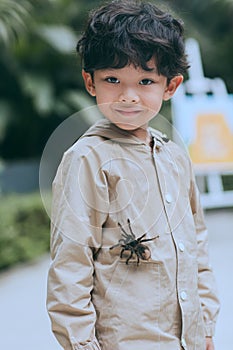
[(209, 329)]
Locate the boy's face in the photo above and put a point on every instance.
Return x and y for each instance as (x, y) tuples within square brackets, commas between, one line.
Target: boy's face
[(130, 97)]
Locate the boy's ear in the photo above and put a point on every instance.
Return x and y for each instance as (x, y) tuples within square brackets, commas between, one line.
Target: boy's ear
[(89, 83), (172, 86)]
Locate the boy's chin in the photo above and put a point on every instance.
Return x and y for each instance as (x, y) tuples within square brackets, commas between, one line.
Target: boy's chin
[(128, 126)]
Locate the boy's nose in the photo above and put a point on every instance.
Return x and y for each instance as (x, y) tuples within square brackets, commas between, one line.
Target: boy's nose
[(129, 96)]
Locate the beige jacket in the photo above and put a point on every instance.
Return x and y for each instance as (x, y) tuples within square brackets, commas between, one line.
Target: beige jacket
[(96, 300)]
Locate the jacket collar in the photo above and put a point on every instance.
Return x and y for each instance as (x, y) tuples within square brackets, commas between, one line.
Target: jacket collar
[(110, 131)]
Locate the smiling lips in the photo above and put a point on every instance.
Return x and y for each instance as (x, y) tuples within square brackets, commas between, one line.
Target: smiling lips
[(128, 112)]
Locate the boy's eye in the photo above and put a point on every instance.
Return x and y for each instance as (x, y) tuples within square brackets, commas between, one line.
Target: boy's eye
[(146, 82), (112, 80)]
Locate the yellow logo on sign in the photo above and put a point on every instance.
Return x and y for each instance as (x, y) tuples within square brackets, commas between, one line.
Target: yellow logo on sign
[(213, 140)]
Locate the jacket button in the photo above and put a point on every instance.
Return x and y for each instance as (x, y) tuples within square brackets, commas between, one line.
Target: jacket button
[(181, 246), (168, 197), (183, 295)]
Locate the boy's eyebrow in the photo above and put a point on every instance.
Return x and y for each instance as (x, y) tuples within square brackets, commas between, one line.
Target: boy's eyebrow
[(151, 70)]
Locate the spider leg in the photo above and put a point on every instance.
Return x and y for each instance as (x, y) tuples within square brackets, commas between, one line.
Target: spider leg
[(149, 239), (122, 251), (138, 258), (139, 239), (130, 228), (125, 234), (128, 237), (118, 244), (122, 229), (115, 245), (131, 254)]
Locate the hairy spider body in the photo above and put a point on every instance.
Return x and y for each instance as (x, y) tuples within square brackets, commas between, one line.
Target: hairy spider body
[(134, 245)]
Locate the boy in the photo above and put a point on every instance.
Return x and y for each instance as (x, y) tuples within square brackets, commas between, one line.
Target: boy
[(130, 267)]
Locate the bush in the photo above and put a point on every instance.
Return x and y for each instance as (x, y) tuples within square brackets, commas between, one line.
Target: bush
[(24, 229)]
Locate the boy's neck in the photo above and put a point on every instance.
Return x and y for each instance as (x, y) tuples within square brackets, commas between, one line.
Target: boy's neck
[(142, 134)]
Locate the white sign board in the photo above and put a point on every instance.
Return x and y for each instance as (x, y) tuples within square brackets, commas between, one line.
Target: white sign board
[(202, 113), (205, 123)]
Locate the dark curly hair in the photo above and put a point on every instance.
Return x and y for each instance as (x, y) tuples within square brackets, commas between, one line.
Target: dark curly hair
[(132, 32)]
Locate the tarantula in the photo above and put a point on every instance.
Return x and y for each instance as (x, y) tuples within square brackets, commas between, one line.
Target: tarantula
[(133, 244)]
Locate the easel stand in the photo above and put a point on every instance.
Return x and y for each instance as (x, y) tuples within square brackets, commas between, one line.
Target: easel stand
[(212, 190), (202, 114)]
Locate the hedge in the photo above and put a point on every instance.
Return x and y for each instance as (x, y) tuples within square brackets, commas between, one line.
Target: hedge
[(24, 229)]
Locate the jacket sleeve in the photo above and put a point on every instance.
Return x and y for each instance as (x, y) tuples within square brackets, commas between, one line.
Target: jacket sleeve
[(79, 209), (206, 281)]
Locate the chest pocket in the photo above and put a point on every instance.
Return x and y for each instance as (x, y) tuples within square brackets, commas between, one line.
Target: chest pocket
[(133, 290)]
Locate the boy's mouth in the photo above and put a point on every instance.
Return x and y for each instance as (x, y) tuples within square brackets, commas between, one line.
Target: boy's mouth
[(129, 112)]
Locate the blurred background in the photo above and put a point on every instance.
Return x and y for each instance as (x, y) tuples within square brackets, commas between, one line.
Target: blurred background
[(40, 87)]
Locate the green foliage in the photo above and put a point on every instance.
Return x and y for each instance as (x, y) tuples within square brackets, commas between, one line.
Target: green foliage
[(13, 16), (24, 229), (37, 73)]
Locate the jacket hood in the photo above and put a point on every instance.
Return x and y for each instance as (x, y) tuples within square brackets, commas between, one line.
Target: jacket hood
[(104, 128)]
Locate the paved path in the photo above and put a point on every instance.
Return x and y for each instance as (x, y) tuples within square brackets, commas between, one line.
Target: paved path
[(220, 225), (24, 321), (23, 318)]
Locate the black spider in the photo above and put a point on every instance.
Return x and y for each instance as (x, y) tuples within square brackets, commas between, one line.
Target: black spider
[(133, 244)]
